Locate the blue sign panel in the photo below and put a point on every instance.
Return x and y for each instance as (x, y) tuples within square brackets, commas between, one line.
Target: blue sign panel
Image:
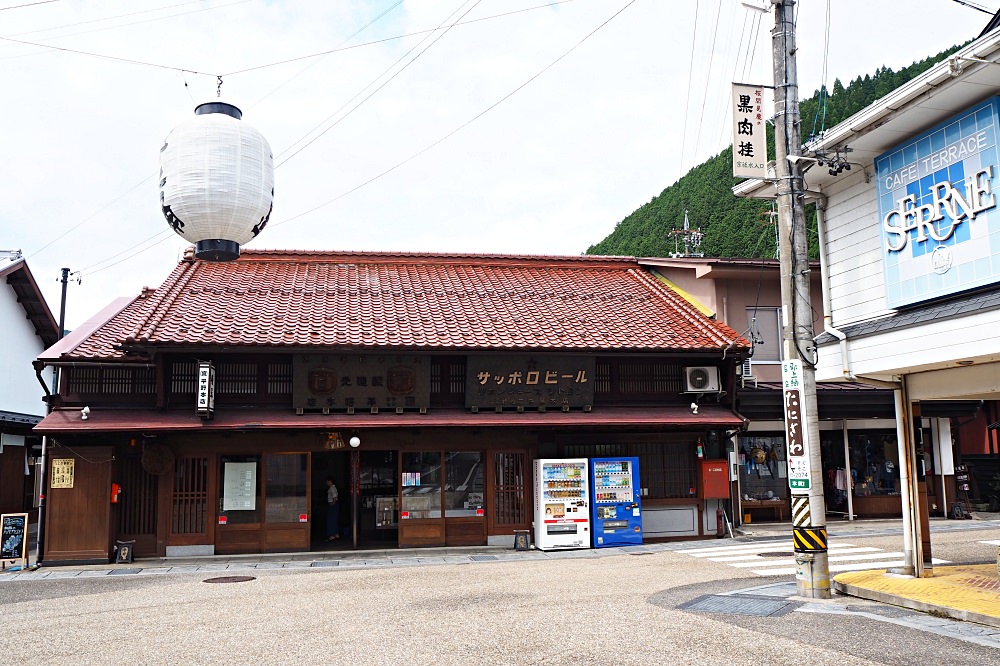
[(940, 226)]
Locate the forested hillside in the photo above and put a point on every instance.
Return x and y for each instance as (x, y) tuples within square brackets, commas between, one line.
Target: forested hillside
[(734, 226)]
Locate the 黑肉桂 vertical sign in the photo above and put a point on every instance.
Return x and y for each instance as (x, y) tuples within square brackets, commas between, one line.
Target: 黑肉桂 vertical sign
[(796, 430), (749, 131)]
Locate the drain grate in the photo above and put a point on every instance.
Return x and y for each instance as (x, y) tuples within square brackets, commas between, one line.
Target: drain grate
[(740, 606), (642, 553), (483, 558), (326, 563), (123, 572), (229, 579), (784, 553)]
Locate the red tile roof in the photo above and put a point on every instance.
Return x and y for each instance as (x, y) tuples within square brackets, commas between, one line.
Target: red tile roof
[(396, 300)]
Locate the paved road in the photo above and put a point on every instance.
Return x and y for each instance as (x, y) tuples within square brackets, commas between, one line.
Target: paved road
[(647, 607)]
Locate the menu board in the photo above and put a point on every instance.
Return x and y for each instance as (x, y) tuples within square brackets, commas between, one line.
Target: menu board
[(13, 536), (239, 486)]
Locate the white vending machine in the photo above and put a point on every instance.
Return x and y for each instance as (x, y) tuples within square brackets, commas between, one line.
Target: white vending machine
[(562, 504)]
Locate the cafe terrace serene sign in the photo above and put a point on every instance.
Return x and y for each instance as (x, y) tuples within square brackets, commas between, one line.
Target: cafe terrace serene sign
[(937, 203)]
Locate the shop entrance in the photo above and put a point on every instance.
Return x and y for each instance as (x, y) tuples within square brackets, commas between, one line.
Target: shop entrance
[(375, 513), (442, 499)]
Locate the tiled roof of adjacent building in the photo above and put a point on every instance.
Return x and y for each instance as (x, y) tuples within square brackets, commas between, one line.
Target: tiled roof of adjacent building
[(355, 300)]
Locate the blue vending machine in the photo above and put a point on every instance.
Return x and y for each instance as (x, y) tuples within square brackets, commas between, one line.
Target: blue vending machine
[(616, 514)]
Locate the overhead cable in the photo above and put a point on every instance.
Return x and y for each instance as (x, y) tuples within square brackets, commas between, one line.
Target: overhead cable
[(460, 127)]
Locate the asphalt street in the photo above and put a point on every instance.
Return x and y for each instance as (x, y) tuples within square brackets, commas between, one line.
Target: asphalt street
[(647, 607)]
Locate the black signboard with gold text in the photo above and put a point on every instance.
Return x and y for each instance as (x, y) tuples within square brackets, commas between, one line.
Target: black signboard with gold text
[(529, 381), (360, 382)]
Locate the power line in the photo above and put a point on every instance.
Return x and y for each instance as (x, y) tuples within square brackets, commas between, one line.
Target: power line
[(392, 39), (106, 57), (708, 80), (687, 98), (30, 4), (118, 16), (384, 84), (90, 217), (460, 127), (314, 62)]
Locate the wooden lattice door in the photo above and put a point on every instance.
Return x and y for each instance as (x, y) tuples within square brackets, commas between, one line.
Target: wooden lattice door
[(510, 478), (137, 516), (189, 522)]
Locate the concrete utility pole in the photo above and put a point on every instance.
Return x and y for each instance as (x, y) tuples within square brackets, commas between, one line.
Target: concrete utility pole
[(805, 469)]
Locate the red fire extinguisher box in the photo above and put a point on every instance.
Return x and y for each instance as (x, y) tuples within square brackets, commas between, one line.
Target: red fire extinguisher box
[(715, 479)]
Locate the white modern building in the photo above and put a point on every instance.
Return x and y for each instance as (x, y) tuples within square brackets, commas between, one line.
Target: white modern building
[(910, 249)]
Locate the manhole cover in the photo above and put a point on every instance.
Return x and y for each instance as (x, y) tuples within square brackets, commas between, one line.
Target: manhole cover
[(786, 553), (739, 606), (229, 579)]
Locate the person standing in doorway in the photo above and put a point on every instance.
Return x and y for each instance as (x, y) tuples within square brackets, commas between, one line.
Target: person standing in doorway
[(332, 511)]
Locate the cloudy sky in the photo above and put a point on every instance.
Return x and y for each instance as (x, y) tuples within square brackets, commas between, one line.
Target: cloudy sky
[(530, 126)]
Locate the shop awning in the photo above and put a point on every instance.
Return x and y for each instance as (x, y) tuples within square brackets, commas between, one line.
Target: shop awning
[(69, 421)]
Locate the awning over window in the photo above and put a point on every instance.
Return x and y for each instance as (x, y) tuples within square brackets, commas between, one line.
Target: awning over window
[(68, 421)]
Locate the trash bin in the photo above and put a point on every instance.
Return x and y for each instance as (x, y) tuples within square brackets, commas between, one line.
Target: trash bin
[(124, 552), (522, 540)]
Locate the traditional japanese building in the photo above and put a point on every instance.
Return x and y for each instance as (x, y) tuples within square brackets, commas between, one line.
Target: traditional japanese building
[(204, 416), (28, 328)]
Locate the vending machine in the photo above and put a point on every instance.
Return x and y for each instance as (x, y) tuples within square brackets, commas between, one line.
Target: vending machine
[(562, 504), (617, 510)]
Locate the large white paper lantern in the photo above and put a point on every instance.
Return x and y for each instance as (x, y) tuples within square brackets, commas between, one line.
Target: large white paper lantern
[(216, 181)]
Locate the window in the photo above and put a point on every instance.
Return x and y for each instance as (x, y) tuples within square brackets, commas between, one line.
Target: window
[(764, 325), (421, 485), (464, 484)]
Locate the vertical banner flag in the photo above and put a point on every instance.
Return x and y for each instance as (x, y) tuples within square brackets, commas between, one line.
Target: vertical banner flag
[(749, 131), (796, 432)]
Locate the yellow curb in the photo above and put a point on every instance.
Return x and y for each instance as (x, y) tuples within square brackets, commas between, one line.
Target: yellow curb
[(968, 592)]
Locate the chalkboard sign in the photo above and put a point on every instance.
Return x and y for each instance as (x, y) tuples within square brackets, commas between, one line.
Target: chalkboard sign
[(13, 536)]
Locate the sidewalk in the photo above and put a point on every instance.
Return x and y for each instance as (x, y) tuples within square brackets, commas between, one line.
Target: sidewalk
[(963, 592)]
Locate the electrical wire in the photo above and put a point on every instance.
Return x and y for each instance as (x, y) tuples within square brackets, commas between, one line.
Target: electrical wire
[(723, 124), (29, 4), (146, 179), (463, 125), (319, 58), (821, 104), (694, 33), (117, 16), (392, 39), (708, 79), (123, 25), (107, 57), (374, 92), (90, 217)]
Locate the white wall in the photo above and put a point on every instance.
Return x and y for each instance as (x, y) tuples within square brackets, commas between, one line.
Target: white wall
[(854, 249), (19, 389)]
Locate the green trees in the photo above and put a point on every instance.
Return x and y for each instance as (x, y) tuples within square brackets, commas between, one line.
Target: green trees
[(734, 226)]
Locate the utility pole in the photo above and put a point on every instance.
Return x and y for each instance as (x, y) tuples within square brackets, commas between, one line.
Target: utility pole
[(805, 469), (40, 554)]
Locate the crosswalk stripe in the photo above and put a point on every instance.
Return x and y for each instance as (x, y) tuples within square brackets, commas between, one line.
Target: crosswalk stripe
[(838, 568), (776, 558), (755, 556)]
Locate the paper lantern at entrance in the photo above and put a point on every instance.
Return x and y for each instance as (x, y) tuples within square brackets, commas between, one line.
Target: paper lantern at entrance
[(216, 181)]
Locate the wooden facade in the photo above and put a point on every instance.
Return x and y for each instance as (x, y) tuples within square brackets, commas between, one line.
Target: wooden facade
[(172, 481)]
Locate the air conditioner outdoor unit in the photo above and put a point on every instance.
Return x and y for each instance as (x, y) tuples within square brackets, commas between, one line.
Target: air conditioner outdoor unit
[(701, 379)]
